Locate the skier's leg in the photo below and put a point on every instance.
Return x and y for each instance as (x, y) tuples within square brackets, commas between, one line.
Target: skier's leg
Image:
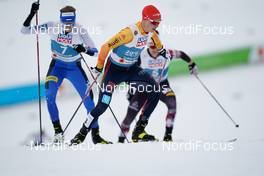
[(168, 97), (151, 88), (53, 81), (111, 78), (135, 104), (143, 79), (80, 81)]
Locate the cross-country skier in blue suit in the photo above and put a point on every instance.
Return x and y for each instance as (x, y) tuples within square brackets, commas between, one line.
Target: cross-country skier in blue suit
[(66, 45)]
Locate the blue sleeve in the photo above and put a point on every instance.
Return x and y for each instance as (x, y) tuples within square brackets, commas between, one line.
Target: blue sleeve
[(43, 28)]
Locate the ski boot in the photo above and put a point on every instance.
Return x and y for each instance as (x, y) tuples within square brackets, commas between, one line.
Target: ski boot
[(139, 133), (167, 136), (97, 139), (58, 136), (80, 137), (123, 133), (121, 139)]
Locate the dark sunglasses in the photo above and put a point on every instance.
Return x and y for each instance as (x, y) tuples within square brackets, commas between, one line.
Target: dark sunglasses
[(155, 23)]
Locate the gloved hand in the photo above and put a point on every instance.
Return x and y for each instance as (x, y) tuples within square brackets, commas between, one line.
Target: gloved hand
[(79, 48), (163, 53), (33, 11), (34, 8), (193, 69), (92, 51), (96, 71)]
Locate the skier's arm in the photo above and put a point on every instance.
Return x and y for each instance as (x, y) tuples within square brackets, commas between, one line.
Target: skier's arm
[(28, 20), (123, 37), (33, 11), (28, 29), (180, 54), (43, 28)]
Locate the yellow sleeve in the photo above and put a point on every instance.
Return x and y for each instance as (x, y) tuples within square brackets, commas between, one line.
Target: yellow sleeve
[(156, 40), (123, 37)]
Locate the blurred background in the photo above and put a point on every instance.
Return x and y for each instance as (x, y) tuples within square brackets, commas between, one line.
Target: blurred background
[(216, 33)]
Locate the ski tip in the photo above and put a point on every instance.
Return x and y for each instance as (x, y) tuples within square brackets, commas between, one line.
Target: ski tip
[(232, 140)]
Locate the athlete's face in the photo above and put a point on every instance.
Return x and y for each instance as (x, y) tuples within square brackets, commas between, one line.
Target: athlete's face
[(150, 25), (68, 27), (153, 49)]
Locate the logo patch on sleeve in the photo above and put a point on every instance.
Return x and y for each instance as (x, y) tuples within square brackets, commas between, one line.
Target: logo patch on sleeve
[(106, 99)]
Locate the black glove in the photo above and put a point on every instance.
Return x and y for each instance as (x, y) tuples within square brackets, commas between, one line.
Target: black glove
[(34, 8), (193, 69), (79, 48), (163, 53), (91, 51), (96, 71)]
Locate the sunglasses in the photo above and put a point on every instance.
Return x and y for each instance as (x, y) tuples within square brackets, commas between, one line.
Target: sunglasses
[(154, 23)]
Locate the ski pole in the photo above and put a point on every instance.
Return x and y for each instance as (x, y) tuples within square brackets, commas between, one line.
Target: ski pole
[(209, 92), (39, 88), (77, 109)]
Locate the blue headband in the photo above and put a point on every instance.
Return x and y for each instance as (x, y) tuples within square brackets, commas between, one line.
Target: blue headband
[(67, 17)]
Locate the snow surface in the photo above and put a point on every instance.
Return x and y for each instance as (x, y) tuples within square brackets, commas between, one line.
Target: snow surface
[(239, 89)]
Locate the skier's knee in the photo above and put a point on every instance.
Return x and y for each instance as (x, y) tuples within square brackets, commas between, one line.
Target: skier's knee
[(102, 105), (50, 96), (171, 104)]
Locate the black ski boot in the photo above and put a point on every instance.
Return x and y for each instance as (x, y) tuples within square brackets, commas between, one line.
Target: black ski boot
[(58, 136), (167, 136), (139, 133), (57, 127), (121, 139), (79, 138), (97, 139)]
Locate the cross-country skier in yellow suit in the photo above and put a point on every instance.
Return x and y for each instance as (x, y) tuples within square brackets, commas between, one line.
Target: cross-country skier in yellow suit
[(122, 66)]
